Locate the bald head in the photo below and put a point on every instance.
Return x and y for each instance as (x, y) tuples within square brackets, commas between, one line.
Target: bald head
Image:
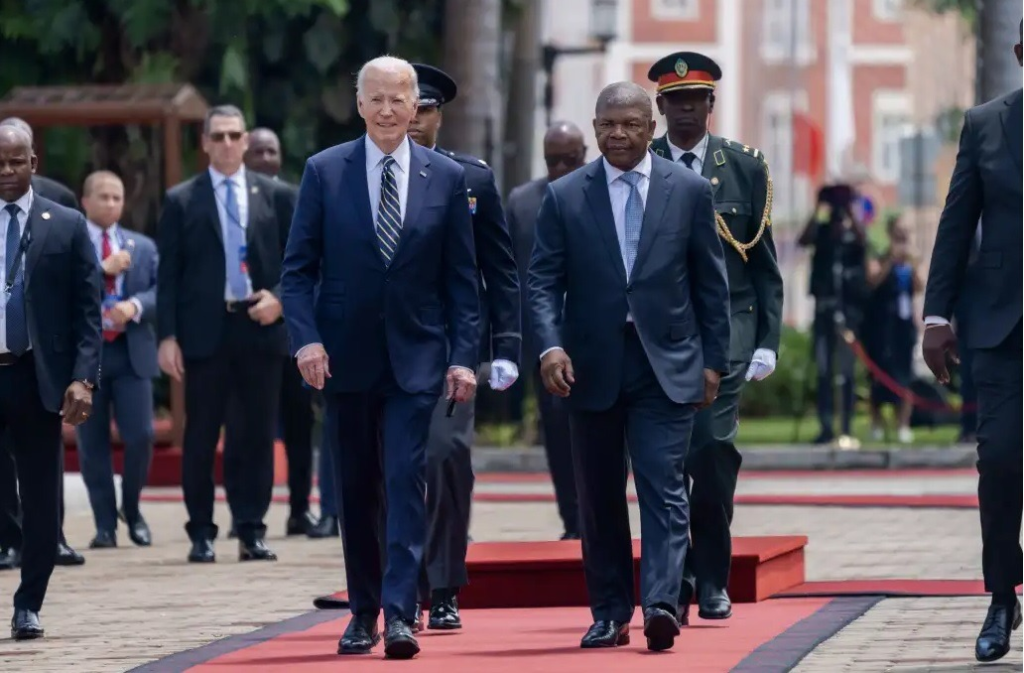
[(624, 95), (564, 149), (562, 131), (17, 162), (19, 123), (264, 153), (15, 136)]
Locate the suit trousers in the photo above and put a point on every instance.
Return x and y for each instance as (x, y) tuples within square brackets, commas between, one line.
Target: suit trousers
[(554, 417), (713, 466), (10, 502), (131, 397), (449, 495), (656, 432), (297, 426), (380, 439), (34, 441), (997, 378)]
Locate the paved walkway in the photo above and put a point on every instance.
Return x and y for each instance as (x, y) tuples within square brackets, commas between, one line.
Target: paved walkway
[(129, 606)]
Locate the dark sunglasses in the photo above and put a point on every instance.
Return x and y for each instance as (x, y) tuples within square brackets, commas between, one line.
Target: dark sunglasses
[(219, 136), (553, 160)]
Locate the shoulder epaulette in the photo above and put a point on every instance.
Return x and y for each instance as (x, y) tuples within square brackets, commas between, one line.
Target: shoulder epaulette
[(740, 148), (466, 159)]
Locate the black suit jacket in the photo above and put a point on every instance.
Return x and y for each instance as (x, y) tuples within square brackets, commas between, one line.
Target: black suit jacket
[(191, 275), (523, 208), (986, 184), (54, 191), (63, 295), (677, 293)]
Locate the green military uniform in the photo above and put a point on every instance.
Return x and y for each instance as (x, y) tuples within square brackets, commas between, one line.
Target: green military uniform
[(741, 184)]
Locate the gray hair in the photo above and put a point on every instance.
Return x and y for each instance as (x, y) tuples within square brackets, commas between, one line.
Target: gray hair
[(19, 123), (389, 64), (222, 111), (625, 94)]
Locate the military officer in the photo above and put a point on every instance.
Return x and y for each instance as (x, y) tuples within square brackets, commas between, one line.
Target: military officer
[(449, 467), (743, 201)]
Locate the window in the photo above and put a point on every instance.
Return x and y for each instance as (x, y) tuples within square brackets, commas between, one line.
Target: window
[(777, 144), (786, 30), (887, 10), (675, 9), (890, 124)]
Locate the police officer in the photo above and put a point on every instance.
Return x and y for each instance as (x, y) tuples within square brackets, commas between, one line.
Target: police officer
[(449, 466), (743, 201)]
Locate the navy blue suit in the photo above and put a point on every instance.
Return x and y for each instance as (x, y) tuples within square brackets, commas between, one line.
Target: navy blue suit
[(637, 380), (129, 366), (391, 333)]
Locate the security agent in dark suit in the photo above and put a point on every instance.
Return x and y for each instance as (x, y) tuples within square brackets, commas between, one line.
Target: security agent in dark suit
[(129, 263), (49, 355), (986, 184), (628, 278), (564, 152), (449, 463), (742, 189), (221, 238)]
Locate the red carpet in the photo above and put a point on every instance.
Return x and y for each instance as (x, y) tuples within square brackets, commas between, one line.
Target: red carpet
[(537, 641), (887, 587), (535, 477)]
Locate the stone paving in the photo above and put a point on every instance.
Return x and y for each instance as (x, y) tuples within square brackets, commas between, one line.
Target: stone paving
[(129, 606)]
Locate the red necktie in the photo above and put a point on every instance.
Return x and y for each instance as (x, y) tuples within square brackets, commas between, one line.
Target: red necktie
[(111, 284)]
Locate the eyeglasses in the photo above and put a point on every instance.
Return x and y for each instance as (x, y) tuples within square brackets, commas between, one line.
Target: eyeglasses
[(220, 136)]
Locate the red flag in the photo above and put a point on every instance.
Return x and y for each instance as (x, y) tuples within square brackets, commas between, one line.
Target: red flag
[(808, 149)]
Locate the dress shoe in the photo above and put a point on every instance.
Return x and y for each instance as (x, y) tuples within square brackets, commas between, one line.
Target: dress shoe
[(683, 614), (360, 636), (444, 610), (105, 539), (202, 552), (326, 527), (138, 531), (233, 531), (10, 558), (994, 640), (661, 629), (257, 550), (300, 525), (606, 633), (417, 624), (399, 642), (66, 556), (570, 536), (25, 625), (713, 603)]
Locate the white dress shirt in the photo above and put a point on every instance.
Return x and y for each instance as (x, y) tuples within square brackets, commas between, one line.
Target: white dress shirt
[(96, 236), (25, 203), (220, 193), (375, 168), (700, 150)]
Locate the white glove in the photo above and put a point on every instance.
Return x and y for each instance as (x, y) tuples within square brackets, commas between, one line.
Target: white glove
[(761, 365), (503, 374)]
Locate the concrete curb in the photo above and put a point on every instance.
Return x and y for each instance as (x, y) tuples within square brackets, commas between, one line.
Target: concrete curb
[(781, 457)]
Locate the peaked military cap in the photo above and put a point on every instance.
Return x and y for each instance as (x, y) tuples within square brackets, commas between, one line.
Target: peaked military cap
[(436, 87), (685, 70)]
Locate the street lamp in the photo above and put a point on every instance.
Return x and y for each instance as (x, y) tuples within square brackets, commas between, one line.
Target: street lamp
[(603, 24)]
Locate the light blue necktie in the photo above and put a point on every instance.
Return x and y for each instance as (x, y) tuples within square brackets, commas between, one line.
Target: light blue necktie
[(237, 278), (389, 211), (634, 218), (17, 328)]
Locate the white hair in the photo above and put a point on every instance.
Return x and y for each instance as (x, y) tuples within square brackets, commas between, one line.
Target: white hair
[(391, 64)]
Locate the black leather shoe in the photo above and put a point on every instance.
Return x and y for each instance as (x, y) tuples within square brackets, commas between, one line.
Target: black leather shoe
[(10, 558), (66, 556), (105, 539), (444, 610), (417, 624), (138, 531), (683, 614), (994, 640), (660, 628), (233, 531), (300, 525), (202, 552), (360, 635), (399, 642), (326, 527), (713, 603), (570, 536), (25, 625), (606, 633), (257, 550)]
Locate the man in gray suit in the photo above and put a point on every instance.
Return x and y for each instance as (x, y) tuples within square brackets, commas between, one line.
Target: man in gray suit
[(564, 152), (986, 184), (628, 277)]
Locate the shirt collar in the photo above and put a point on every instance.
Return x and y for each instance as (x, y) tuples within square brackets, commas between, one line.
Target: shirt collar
[(678, 152), (643, 168), (96, 231), (25, 202), (401, 155), (238, 179)]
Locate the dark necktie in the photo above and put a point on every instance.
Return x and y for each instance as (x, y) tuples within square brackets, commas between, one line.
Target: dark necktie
[(17, 328), (389, 212), (109, 283), (688, 158)]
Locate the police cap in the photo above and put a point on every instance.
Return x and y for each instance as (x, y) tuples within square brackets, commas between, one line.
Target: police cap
[(685, 70), (436, 87)]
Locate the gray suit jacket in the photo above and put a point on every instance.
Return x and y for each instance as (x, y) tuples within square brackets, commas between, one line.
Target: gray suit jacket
[(678, 294), (522, 210), (140, 284), (986, 184)]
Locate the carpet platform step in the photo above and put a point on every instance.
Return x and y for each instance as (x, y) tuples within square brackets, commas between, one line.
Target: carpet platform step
[(550, 574)]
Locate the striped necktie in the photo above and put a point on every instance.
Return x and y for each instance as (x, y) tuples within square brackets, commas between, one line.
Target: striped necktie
[(634, 218), (389, 212)]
